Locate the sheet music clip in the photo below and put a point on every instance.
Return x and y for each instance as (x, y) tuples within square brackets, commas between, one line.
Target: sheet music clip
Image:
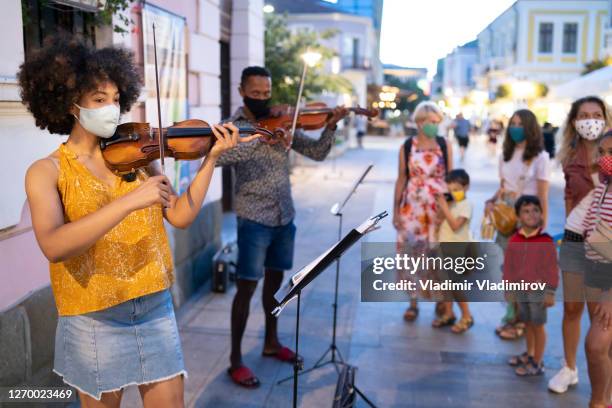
[(335, 210), (372, 223), (278, 309)]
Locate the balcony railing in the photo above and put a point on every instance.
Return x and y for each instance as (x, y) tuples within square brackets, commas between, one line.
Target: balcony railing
[(354, 62)]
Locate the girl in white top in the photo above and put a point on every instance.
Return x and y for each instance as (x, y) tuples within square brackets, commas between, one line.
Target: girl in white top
[(524, 167)]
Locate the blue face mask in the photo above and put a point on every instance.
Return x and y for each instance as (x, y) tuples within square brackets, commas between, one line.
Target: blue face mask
[(517, 133)]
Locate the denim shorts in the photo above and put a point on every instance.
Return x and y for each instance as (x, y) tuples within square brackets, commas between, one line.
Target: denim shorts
[(572, 257), (261, 247), (531, 308), (133, 343)]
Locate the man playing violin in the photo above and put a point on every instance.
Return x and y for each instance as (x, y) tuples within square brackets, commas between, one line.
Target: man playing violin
[(265, 212)]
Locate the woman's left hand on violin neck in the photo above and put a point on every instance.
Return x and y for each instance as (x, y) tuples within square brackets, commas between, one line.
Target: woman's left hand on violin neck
[(227, 137)]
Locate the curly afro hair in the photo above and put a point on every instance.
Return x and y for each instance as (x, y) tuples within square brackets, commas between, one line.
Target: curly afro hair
[(56, 76)]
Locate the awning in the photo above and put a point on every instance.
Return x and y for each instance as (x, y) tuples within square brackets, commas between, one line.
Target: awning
[(598, 83), (84, 5)]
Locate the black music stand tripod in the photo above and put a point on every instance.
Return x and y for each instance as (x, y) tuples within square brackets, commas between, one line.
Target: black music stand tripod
[(336, 210), (293, 289)]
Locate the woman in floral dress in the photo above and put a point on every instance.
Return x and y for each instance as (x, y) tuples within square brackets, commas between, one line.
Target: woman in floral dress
[(424, 160)]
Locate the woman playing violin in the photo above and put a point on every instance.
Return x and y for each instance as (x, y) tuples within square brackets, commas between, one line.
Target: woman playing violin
[(110, 261)]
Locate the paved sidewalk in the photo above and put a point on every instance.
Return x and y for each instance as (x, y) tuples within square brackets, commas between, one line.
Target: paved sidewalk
[(400, 364)]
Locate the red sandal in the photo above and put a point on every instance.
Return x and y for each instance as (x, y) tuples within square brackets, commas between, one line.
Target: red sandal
[(284, 354), (244, 377)]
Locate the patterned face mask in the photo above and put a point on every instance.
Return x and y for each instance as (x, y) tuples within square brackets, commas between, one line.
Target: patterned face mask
[(605, 166), (590, 129)]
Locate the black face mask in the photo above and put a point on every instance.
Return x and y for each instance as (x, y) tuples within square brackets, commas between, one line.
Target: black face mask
[(258, 107)]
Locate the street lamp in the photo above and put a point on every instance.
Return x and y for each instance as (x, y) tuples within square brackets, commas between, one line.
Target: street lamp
[(310, 58), (268, 8)]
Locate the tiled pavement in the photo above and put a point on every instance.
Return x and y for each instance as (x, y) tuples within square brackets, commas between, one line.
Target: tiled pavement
[(399, 364)]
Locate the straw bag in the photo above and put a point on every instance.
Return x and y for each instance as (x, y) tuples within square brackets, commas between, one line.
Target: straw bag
[(503, 218), (487, 229), (600, 239)]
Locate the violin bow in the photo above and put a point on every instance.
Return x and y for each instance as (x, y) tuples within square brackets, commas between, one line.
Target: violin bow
[(160, 132), (297, 105)]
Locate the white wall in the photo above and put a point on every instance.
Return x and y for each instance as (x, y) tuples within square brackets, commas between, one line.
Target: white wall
[(21, 142), (247, 41)]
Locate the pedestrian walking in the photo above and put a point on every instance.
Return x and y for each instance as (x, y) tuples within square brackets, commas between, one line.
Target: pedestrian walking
[(462, 128)]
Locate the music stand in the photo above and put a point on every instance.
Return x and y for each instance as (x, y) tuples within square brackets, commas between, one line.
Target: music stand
[(336, 210), (293, 288)]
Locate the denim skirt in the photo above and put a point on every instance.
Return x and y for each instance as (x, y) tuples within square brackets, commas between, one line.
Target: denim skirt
[(133, 343)]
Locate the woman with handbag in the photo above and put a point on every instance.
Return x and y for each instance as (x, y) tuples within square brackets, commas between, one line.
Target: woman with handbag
[(524, 169), (598, 281), (585, 124)]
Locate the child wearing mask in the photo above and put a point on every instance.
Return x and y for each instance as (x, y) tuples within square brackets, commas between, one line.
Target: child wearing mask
[(455, 228)]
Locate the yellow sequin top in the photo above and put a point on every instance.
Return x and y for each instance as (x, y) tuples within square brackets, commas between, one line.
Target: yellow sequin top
[(133, 259)]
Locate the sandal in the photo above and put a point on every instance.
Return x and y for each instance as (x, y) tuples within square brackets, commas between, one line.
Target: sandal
[(411, 314), (531, 369), (244, 377), (284, 354), (502, 327), (512, 331), (518, 360), (443, 321), (464, 324)]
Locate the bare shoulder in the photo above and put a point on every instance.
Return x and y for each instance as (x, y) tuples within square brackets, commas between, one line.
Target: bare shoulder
[(43, 171)]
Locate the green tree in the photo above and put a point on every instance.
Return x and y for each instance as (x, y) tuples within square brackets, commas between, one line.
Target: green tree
[(594, 66), (283, 51)]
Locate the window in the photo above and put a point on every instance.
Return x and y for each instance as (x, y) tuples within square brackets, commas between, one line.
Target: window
[(570, 38), (546, 38), (43, 18)]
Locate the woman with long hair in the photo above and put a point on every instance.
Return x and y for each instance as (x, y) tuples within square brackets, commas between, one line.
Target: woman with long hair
[(110, 261), (584, 126), (524, 169)]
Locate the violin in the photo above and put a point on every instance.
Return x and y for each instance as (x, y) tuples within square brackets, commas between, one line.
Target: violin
[(135, 145), (311, 117)]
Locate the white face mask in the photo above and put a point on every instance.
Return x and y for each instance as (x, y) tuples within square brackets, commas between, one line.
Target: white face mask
[(590, 129), (102, 122)]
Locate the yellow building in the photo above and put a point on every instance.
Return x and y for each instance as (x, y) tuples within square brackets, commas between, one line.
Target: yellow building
[(542, 41)]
